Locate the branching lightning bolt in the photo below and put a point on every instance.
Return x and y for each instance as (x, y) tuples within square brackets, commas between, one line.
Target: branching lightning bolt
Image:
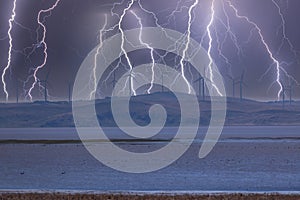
[(43, 42), (284, 40), (216, 39), (180, 42), (96, 56), (208, 29), (284, 34), (10, 21), (123, 43), (229, 34), (149, 47), (190, 20), (274, 60)]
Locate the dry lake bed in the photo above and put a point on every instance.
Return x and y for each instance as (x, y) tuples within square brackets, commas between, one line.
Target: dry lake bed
[(246, 160)]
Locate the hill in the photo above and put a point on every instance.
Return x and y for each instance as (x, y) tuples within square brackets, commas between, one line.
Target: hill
[(59, 114)]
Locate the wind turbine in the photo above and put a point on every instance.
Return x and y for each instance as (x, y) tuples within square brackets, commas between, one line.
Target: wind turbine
[(130, 77), (290, 89), (283, 93), (69, 91), (200, 80), (114, 81), (241, 84), (17, 91), (234, 82), (45, 82), (162, 83)]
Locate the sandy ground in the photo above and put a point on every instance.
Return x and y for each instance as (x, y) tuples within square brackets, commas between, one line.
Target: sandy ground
[(233, 165), (245, 160)]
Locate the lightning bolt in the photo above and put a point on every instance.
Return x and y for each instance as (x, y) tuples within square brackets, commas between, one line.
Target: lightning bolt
[(149, 47), (212, 32), (43, 43), (181, 41), (10, 22), (179, 9), (117, 27), (262, 39), (96, 56), (229, 34), (285, 39), (123, 43), (209, 51), (188, 36)]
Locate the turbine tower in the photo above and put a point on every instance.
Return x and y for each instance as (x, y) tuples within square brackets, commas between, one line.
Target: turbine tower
[(201, 86), (69, 91), (241, 84), (286, 89), (234, 82), (45, 82), (114, 81), (290, 89), (283, 95), (162, 83), (17, 91), (130, 77)]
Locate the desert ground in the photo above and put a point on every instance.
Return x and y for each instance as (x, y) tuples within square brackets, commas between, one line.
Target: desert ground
[(46, 196), (261, 159)]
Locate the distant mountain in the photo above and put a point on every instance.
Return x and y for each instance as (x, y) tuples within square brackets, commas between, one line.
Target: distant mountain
[(59, 114)]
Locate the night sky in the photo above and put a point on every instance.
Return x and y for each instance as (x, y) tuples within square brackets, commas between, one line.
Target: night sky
[(73, 31)]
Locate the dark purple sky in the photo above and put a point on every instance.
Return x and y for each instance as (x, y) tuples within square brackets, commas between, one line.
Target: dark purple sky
[(73, 28)]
